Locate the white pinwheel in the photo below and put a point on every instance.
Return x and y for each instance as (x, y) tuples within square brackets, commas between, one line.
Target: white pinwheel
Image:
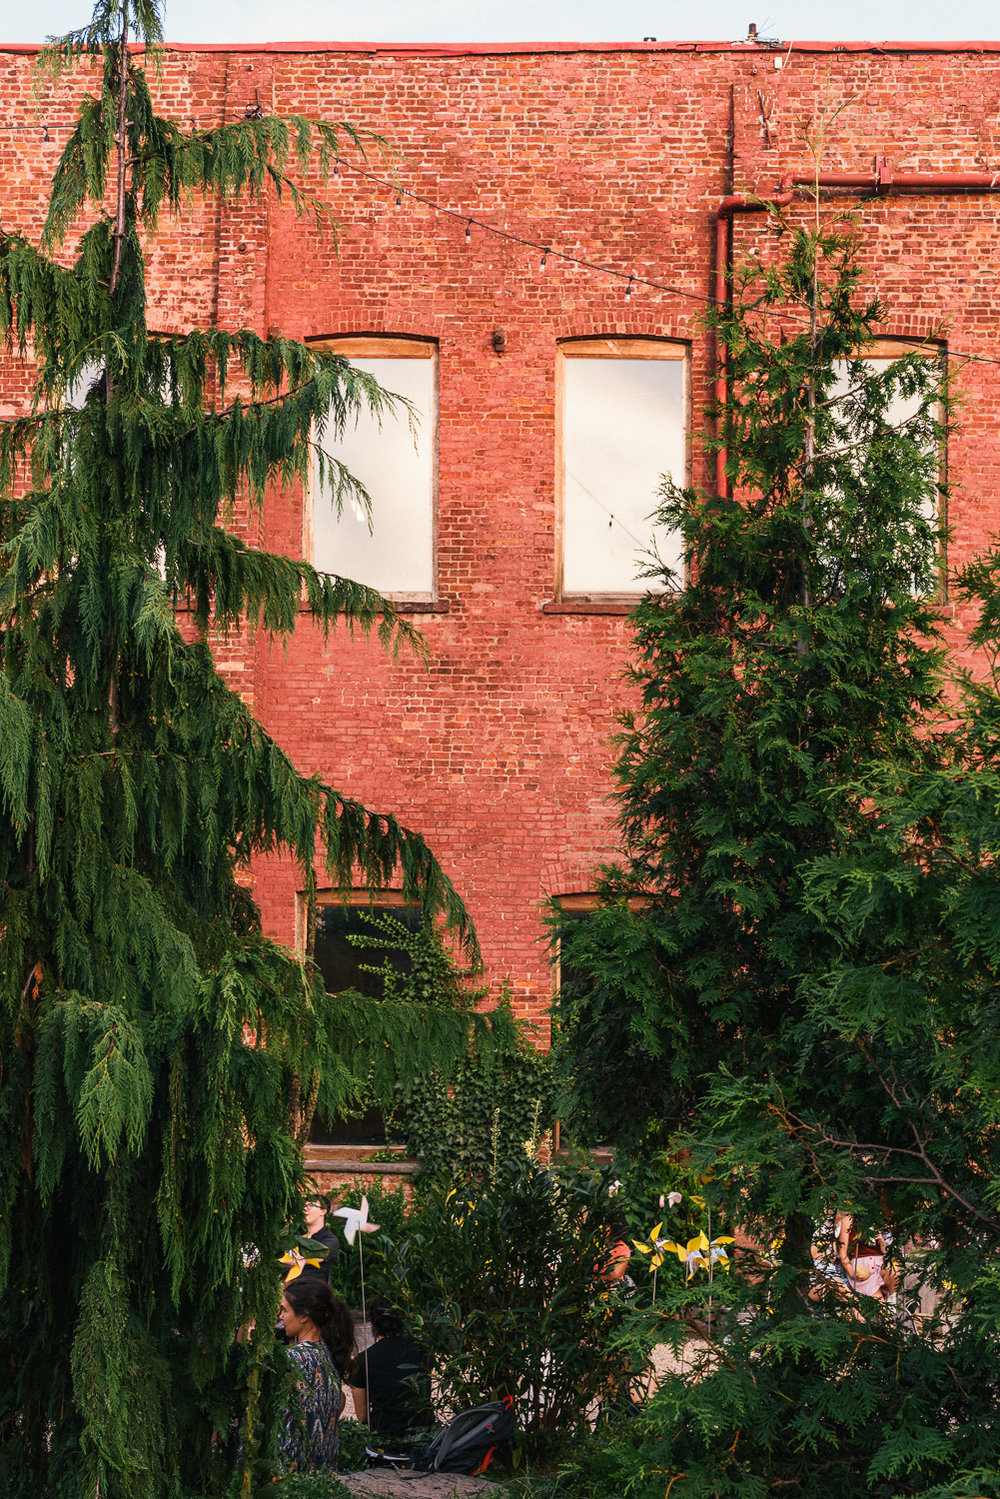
[(356, 1221)]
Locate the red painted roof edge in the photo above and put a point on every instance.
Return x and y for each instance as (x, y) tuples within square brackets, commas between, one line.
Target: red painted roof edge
[(489, 49)]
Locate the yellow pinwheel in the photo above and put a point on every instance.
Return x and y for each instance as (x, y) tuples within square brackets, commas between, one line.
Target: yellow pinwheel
[(692, 1254), (298, 1263), (656, 1247), (700, 1253), (718, 1254)]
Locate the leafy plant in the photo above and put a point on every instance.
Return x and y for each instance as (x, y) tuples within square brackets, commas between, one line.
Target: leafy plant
[(309, 1486), (462, 1127), (606, 1463), (418, 966), (459, 1122), (353, 1439), (506, 1290)]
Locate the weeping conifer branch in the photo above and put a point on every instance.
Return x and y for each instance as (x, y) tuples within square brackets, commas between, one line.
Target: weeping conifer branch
[(152, 1038)]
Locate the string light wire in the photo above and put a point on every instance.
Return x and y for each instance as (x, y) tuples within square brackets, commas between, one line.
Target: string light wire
[(629, 277)]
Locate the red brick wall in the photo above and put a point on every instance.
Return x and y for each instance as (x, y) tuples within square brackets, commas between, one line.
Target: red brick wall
[(498, 750)]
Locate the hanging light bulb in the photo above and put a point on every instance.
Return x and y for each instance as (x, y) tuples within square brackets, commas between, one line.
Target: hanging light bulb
[(545, 256)]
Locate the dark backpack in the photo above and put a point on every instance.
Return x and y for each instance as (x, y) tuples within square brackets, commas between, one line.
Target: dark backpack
[(469, 1440)]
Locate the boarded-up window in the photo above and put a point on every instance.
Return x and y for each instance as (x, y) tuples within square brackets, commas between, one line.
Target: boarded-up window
[(344, 964)]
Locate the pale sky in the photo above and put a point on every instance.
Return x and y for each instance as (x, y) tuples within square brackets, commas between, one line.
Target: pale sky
[(528, 21)]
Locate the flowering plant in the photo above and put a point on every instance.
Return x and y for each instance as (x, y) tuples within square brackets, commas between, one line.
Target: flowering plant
[(685, 1229)]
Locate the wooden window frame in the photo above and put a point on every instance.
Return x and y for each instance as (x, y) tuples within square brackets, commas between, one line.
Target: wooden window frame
[(387, 346), (608, 346)]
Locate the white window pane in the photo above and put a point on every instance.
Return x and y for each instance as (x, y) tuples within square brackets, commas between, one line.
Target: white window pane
[(898, 411), (623, 429), (79, 388), (397, 554)]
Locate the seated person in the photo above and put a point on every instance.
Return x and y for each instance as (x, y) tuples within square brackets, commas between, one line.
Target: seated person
[(390, 1381), (863, 1263)]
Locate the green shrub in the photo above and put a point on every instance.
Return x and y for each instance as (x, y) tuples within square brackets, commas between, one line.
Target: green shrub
[(460, 1122), (457, 1121), (308, 1486), (659, 1191), (464, 1126), (602, 1464), (417, 965), (354, 1438), (387, 1206), (506, 1292)]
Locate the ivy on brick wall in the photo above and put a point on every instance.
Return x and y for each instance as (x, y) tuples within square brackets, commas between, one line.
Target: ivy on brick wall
[(497, 1099), (495, 1105), (417, 966)]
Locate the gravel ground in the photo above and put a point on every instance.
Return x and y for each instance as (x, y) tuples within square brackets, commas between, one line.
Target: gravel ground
[(382, 1482)]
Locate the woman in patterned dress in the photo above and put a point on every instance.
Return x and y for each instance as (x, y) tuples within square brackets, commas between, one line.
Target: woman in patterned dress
[(320, 1331)]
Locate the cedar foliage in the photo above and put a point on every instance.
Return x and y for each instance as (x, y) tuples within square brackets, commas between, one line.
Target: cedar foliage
[(800, 647), (157, 1052), (793, 972)]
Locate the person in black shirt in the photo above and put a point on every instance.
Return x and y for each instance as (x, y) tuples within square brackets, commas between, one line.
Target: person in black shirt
[(318, 1229), (390, 1381)]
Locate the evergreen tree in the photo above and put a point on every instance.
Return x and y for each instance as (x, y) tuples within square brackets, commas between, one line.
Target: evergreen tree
[(159, 1055), (793, 972), (798, 648)]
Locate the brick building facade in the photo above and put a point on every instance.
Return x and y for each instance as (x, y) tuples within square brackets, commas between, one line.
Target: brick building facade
[(613, 157)]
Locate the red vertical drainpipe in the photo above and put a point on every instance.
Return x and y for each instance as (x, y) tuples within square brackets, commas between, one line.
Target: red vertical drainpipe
[(723, 287)]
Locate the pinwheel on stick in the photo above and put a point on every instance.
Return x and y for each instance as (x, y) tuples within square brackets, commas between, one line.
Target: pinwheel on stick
[(355, 1223), (656, 1249), (297, 1262)]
